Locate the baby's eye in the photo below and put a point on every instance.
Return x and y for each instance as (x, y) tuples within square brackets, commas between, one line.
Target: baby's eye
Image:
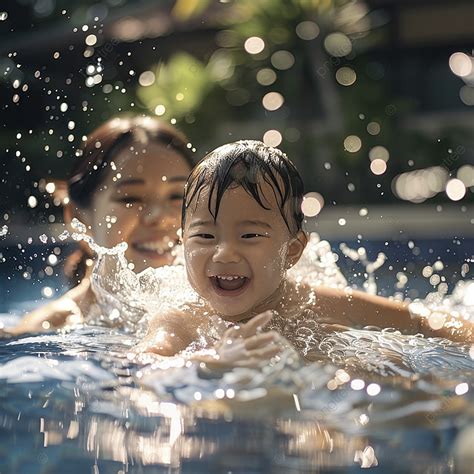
[(203, 236), (251, 236)]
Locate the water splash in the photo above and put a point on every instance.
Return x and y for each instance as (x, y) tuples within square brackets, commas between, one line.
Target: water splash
[(318, 265), (360, 255), (126, 299)]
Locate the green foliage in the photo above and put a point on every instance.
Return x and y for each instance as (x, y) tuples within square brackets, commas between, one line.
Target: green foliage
[(181, 86), (222, 88)]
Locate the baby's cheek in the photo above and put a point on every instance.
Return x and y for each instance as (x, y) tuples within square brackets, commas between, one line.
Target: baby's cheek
[(191, 255)]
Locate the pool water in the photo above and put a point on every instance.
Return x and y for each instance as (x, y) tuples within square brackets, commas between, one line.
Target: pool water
[(75, 401)]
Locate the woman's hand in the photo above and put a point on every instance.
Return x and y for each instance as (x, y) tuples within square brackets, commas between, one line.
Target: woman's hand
[(62, 313)]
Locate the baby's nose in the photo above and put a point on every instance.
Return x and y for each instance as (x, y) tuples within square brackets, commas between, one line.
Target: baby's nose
[(226, 253)]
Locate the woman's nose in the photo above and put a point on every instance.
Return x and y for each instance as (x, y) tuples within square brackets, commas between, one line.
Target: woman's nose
[(158, 214), (226, 253)]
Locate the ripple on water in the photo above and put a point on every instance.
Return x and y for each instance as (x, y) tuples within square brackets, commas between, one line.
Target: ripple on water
[(89, 398)]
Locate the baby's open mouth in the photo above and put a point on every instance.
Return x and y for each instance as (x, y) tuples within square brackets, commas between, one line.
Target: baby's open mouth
[(229, 284)]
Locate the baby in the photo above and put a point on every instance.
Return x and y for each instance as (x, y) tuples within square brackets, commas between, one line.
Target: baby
[(242, 231)]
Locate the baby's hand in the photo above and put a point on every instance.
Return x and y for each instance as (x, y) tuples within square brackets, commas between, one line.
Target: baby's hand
[(246, 345)]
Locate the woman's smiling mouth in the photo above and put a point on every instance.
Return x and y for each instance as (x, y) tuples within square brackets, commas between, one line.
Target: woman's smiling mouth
[(153, 248), (229, 285)]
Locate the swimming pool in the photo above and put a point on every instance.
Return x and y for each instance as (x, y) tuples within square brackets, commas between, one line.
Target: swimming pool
[(74, 401)]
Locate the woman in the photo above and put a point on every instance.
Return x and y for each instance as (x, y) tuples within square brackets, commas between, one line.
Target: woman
[(126, 187)]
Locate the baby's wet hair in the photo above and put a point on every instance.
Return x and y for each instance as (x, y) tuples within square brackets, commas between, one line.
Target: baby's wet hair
[(249, 164)]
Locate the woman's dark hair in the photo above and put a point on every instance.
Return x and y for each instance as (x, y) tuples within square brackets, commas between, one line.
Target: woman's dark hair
[(248, 163), (104, 143), (100, 149)]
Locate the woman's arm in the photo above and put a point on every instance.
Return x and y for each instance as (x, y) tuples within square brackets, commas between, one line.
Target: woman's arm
[(356, 308), (54, 315)]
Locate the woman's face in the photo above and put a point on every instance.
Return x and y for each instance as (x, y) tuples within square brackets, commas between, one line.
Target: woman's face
[(139, 202)]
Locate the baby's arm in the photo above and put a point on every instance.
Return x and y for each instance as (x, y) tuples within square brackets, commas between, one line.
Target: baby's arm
[(240, 346), (168, 334), (356, 308)]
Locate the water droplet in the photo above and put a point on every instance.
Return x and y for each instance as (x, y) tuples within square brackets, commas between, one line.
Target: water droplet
[(32, 202)]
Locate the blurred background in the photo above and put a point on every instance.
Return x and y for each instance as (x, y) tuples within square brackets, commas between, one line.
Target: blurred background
[(372, 99)]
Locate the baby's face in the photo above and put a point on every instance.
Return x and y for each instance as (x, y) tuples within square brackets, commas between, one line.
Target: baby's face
[(239, 261)]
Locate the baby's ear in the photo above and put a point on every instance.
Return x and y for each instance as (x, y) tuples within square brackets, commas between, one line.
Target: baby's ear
[(296, 247)]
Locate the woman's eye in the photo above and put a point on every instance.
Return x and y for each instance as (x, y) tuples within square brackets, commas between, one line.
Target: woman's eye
[(129, 200)]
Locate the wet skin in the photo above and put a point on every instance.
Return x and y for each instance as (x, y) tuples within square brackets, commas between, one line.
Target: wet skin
[(238, 262)]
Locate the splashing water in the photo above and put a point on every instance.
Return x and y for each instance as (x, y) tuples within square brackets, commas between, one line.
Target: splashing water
[(322, 413), (317, 265), (127, 300), (370, 267)]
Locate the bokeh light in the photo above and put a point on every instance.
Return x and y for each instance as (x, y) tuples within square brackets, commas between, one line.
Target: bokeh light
[(282, 60), (50, 188), (373, 128), (273, 101), (312, 204), (346, 76), (466, 175), (146, 78), (379, 153), (91, 40), (455, 189), (419, 185), (254, 45), (460, 64), (160, 110), (352, 143), (266, 76), (461, 388), (307, 30), (272, 138), (378, 166), (466, 94), (338, 45), (357, 384), (436, 320), (373, 389), (32, 202)]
